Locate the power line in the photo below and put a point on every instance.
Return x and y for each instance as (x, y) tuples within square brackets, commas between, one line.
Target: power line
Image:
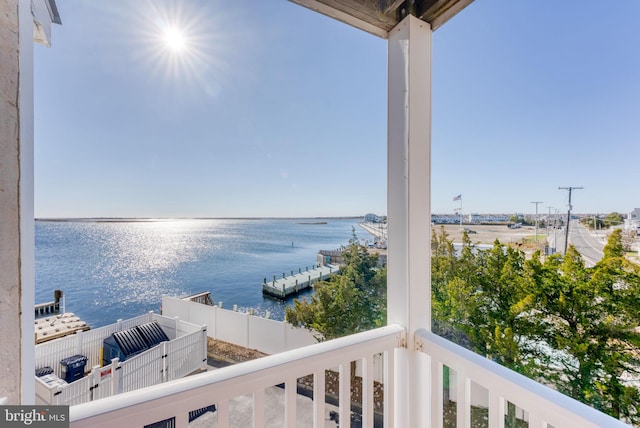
[(566, 234)]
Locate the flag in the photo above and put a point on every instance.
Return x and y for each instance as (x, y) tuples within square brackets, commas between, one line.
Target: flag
[(457, 198)]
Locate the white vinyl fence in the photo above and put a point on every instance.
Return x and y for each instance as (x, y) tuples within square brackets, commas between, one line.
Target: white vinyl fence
[(249, 331), (185, 353), (240, 328)]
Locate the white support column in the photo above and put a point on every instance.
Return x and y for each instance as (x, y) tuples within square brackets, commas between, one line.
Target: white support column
[(409, 212), (17, 275)]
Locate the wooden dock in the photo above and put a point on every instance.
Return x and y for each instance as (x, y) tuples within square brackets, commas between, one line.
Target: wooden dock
[(57, 326), (293, 283), (51, 308), (52, 322)]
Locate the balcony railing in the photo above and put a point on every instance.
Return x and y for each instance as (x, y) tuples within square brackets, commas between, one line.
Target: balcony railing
[(479, 389), (457, 377), (174, 402)]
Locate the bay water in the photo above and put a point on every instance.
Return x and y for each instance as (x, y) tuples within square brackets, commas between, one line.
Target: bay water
[(118, 269)]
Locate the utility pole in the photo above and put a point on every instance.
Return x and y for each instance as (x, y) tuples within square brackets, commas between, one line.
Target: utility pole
[(555, 227), (566, 234), (537, 203), (548, 224)]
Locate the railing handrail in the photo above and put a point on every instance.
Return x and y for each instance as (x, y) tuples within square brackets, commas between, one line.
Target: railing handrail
[(536, 398), (222, 384)]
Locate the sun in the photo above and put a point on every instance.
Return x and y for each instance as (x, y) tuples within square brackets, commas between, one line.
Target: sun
[(175, 40), (182, 44)]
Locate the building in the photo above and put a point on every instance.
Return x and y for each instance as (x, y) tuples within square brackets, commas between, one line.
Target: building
[(414, 358), (470, 218), (373, 218), (329, 257), (632, 222)]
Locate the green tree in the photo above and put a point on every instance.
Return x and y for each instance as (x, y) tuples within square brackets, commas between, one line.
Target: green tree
[(587, 318), (570, 326), (452, 288), (613, 219), (520, 218), (614, 247), (593, 223), (479, 299), (502, 326), (556, 320), (352, 301)]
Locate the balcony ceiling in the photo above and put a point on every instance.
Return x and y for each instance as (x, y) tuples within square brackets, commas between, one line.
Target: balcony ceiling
[(380, 16)]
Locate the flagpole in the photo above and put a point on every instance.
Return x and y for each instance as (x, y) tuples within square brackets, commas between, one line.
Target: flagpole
[(459, 198)]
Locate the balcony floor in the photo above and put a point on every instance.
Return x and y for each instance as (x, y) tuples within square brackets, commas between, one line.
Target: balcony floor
[(241, 410)]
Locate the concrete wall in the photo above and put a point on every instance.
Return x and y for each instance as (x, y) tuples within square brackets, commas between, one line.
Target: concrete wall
[(10, 276)]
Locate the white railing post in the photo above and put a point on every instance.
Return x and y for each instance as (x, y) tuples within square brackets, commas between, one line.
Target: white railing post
[(182, 420), (389, 388), (536, 422), (408, 207), (204, 347), (222, 409), (437, 394), (368, 408), (115, 376), (319, 394), (94, 382), (258, 409), (463, 389), (496, 410), (290, 394), (344, 393), (164, 359)]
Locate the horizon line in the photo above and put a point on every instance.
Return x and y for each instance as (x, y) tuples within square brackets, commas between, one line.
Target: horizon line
[(192, 218)]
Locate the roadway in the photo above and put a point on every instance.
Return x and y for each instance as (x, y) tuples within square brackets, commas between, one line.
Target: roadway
[(588, 245)]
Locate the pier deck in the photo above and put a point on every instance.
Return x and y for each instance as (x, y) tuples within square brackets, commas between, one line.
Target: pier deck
[(57, 326), (295, 282), (52, 322)]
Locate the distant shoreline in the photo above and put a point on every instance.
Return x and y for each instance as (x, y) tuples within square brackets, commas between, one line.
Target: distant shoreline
[(160, 219)]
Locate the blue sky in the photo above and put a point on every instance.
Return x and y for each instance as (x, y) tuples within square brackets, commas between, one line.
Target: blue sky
[(273, 110)]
